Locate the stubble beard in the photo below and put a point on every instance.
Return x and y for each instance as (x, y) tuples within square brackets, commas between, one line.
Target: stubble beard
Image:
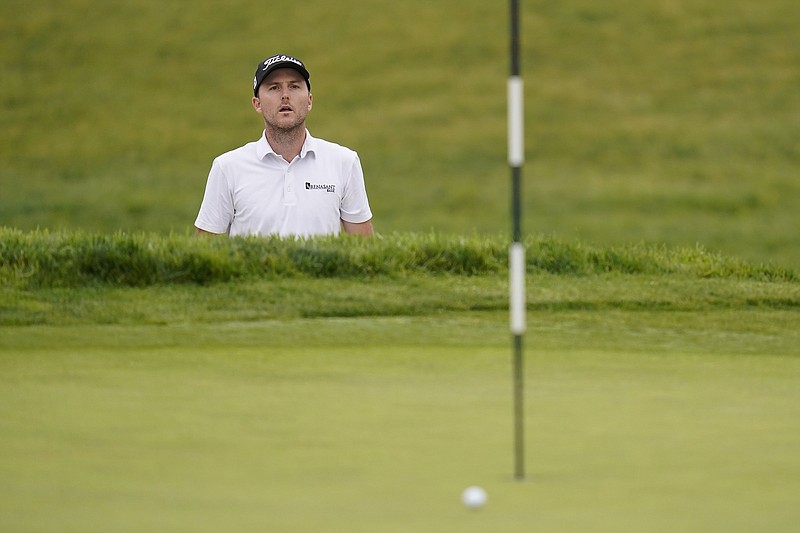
[(285, 133)]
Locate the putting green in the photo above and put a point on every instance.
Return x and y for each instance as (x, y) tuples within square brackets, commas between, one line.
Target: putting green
[(187, 429)]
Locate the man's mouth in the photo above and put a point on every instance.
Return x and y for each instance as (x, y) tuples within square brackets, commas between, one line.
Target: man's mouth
[(285, 109)]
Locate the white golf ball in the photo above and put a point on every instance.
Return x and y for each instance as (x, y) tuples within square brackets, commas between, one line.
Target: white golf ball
[(474, 497)]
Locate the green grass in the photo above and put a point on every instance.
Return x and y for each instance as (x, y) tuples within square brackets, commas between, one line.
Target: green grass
[(62, 278), (657, 421), (45, 259), (662, 122), (662, 386), (156, 382)]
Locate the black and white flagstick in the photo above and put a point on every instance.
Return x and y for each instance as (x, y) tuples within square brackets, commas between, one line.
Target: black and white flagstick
[(516, 158)]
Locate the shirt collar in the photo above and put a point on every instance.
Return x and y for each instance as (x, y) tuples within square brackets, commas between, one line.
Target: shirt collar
[(263, 147)]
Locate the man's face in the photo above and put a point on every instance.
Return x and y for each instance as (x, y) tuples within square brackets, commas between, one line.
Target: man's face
[(283, 99)]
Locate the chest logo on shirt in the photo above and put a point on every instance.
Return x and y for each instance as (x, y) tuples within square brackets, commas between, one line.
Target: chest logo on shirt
[(320, 187)]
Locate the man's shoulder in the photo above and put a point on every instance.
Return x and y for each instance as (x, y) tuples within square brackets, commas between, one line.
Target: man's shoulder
[(327, 148), (245, 151)]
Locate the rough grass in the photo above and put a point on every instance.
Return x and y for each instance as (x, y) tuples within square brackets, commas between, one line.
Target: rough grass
[(68, 259), (81, 278)]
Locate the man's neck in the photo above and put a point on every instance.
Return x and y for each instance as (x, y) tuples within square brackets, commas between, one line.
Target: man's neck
[(286, 143)]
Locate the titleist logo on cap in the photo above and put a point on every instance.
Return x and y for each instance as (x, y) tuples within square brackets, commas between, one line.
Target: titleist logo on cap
[(275, 59)]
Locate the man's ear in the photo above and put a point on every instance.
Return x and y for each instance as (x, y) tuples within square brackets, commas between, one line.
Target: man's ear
[(257, 104)]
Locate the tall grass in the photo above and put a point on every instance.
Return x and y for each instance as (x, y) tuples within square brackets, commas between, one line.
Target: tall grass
[(69, 259)]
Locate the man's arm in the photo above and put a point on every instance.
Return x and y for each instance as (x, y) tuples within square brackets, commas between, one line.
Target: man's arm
[(198, 231), (358, 228)]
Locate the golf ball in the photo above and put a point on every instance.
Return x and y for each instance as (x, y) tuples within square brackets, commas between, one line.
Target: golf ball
[(474, 497)]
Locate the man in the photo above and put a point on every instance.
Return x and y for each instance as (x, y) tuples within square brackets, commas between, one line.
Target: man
[(286, 183)]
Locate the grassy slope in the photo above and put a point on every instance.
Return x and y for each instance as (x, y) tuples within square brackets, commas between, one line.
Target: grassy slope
[(667, 122), (60, 278)]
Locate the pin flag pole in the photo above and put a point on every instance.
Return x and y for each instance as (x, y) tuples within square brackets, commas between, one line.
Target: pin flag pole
[(516, 157)]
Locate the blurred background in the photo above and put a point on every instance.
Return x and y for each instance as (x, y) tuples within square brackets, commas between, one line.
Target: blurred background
[(667, 121)]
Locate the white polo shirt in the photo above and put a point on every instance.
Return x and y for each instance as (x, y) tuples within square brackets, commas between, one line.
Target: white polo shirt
[(253, 191)]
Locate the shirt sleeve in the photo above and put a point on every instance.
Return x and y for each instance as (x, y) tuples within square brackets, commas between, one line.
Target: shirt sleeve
[(355, 205), (216, 211)]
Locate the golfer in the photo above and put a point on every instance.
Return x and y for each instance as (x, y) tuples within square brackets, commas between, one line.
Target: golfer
[(286, 183)]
